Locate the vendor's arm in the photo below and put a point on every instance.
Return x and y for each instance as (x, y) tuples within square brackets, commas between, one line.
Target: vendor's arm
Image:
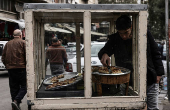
[(105, 58), (106, 52)]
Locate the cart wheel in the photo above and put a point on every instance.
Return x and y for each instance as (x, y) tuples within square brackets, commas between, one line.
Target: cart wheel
[(29, 107)]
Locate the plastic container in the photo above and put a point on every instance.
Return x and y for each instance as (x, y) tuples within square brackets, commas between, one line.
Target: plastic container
[(165, 83)]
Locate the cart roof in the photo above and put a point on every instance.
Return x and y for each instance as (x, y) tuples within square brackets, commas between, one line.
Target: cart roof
[(68, 13), (85, 6)]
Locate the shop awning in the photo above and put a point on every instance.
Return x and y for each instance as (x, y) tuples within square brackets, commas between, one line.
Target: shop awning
[(73, 29), (98, 34), (20, 22), (82, 31), (54, 29)]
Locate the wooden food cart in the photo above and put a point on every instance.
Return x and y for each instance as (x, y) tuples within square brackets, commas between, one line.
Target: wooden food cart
[(36, 15)]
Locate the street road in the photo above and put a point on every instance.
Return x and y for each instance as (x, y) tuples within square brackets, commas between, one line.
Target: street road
[(165, 66), (5, 98)]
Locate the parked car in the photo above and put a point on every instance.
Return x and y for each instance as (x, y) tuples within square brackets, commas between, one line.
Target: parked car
[(71, 49), (164, 50), (71, 65), (2, 45)]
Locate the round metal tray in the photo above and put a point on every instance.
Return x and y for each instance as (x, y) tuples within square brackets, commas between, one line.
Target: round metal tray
[(67, 75), (124, 71)]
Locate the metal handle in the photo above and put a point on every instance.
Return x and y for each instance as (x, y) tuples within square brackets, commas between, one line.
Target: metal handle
[(107, 64), (108, 67)]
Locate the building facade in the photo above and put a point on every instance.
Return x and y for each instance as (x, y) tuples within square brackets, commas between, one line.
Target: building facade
[(11, 15)]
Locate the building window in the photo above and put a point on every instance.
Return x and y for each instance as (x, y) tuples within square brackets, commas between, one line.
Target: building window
[(7, 5)]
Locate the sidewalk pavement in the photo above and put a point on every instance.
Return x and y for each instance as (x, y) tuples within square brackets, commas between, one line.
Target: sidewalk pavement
[(164, 104)]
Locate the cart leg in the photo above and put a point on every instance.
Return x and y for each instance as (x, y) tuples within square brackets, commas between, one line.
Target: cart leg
[(94, 87), (29, 107), (127, 87), (99, 89)]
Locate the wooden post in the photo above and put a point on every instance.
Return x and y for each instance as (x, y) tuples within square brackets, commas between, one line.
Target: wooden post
[(29, 23), (112, 24), (87, 53), (43, 50), (78, 47), (38, 44), (142, 51), (135, 76)]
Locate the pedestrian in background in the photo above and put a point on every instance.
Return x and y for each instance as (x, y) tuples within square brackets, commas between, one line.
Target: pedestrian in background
[(161, 48), (14, 59), (120, 44), (61, 42), (56, 55), (65, 41)]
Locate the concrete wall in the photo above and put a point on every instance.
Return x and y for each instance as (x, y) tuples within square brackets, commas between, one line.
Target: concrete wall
[(10, 15)]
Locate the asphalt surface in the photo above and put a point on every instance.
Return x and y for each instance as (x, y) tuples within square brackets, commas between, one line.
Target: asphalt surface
[(163, 101), (5, 102)]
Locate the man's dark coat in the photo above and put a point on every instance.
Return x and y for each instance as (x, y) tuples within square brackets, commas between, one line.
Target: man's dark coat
[(122, 50)]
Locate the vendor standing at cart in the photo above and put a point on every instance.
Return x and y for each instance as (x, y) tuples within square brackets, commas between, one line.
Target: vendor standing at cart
[(56, 55), (120, 44)]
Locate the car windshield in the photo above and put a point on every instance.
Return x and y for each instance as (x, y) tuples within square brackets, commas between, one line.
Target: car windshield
[(95, 48), (1, 49), (164, 49), (71, 49)]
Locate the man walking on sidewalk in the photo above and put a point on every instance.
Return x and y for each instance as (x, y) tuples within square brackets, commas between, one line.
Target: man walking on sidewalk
[(57, 56), (14, 58)]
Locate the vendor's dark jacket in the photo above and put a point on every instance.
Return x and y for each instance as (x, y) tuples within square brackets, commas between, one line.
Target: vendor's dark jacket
[(56, 54), (14, 54), (122, 50)]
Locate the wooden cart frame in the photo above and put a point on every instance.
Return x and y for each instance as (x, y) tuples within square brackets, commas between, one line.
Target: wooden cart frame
[(38, 14)]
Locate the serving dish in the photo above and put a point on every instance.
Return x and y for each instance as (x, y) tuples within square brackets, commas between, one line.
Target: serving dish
[(123, 71), (67, 76)]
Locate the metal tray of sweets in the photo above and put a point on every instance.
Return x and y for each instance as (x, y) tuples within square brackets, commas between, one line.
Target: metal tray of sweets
[(124, 71), (67, 75)]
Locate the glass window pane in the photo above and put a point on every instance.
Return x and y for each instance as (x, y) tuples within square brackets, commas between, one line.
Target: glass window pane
[(119, 81), (61, 77), (1, 49), (65, 79)]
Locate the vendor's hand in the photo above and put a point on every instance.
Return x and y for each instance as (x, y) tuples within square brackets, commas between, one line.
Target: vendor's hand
[(158, 79), (104, 58)]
